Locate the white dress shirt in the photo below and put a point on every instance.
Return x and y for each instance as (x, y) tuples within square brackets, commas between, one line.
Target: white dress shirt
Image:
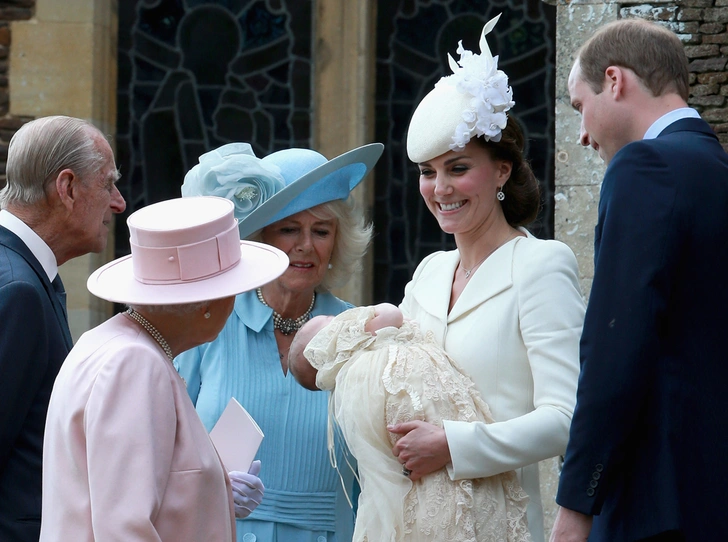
[(32, 240)]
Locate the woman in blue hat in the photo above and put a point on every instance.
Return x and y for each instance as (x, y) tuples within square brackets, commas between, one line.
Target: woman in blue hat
[(297, 201)]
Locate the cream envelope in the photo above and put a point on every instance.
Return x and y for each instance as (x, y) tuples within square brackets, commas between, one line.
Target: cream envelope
[(236, 437)]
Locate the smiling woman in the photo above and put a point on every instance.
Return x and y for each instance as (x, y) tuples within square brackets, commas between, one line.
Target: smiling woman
[(298, 202), (505, 305)]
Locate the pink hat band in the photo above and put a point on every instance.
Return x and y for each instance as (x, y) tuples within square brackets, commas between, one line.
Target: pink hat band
[(171, 265), (186, 250)]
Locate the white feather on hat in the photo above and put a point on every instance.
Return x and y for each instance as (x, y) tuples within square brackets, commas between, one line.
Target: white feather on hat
[(471, 102)]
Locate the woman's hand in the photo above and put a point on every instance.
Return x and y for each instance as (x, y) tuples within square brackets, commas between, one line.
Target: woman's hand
[(422, 449), (248, 490)]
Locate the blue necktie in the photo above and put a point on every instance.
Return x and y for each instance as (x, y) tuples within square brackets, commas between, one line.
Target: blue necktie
[(60, 292)]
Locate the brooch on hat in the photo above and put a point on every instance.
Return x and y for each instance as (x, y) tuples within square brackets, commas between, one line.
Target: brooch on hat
[(478, 77)]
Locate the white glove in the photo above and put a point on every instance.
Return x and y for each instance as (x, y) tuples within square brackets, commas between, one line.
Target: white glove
[(248, 490)]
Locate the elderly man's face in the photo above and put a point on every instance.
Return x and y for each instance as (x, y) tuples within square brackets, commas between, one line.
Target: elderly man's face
[(99, 200)]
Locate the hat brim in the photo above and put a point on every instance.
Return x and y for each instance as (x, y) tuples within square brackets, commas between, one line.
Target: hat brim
[(277, 207), (259, 264)]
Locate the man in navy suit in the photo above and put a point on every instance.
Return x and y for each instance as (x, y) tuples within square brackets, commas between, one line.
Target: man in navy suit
[(647, 457), (58, 204)]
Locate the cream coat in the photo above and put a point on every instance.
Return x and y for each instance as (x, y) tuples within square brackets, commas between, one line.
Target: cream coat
[(515, 330), (125, 455)]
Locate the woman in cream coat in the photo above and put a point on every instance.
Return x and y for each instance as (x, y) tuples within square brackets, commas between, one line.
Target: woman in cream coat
[(505, 305)]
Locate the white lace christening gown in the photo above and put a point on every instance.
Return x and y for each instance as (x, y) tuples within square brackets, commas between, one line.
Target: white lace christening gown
[(402, 375)]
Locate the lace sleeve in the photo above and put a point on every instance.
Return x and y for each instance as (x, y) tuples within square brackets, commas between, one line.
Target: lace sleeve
[(334, 345)]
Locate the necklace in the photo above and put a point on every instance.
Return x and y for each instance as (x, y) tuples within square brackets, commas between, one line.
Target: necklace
[(469, 272), (156, 335), (287, 325)]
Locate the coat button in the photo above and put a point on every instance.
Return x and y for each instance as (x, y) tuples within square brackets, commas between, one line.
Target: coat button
[(321, 539), (590, 492), (593, 484), (249, 537), (596, 475), (599, 467)]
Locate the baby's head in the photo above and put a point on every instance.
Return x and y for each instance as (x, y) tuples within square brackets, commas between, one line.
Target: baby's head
[(299, 366)]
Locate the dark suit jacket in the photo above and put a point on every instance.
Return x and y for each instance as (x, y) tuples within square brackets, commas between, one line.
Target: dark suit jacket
[(648, 450), (34, 341)]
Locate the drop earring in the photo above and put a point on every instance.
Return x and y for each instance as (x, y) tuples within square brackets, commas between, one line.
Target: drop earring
[(500, 196), (331, 266)]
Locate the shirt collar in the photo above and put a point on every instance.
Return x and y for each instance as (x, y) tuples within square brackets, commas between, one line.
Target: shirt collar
[(668, 118), (32, 240)]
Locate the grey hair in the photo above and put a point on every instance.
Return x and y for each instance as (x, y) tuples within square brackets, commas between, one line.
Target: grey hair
[(44, 147), (176, 310), (353, 235)]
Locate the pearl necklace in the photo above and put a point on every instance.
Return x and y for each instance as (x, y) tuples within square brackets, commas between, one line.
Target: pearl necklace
[(287, 325), (156, 335)]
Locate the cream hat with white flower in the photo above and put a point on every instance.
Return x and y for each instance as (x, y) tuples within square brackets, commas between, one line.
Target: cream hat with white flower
[(469, 103)]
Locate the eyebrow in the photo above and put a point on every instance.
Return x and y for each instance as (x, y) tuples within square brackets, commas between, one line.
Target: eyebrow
[(447, 162)]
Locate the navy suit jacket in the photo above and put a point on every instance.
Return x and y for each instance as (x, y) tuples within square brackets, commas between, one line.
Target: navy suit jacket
[(648, 450), (34, 341)]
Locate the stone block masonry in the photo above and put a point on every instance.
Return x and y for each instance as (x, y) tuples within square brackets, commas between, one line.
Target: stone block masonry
[(10, 10)]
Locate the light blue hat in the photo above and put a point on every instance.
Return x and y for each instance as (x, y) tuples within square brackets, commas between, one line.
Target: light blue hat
[(266, 190)]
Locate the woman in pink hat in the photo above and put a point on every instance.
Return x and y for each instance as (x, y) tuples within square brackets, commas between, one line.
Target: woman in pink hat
[(297, 201), (126, 456)]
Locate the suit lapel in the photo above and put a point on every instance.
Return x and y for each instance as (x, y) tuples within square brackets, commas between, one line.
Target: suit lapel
[(14, 243), (435, 284), (493, 276)]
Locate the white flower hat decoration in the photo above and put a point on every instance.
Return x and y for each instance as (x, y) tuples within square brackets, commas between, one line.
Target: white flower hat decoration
[(471, 102)]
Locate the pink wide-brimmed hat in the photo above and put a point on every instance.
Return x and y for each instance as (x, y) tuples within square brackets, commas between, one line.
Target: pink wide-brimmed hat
[(186, 250)]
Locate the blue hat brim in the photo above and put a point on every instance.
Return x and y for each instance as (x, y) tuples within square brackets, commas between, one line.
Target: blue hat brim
[(330, 181)]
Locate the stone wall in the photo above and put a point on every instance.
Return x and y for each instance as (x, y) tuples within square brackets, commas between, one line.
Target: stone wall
[(10, 10), (701, 25)]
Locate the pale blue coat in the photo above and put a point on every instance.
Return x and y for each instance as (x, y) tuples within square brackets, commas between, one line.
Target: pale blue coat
[(304, 501)]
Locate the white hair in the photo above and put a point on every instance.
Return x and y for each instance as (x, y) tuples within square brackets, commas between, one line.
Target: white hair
[(44, 147)]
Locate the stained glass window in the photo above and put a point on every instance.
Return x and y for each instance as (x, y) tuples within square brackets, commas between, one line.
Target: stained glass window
[(194, 75), (413, 39)]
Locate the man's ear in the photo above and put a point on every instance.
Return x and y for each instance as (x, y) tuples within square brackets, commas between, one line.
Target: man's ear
[(67, 187), (614, 81)]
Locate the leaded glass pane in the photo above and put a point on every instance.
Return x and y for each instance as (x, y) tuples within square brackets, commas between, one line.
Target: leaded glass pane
[(195, 74), (413, 39)]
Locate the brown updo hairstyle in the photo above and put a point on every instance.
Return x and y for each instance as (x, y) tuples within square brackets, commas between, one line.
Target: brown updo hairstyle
[(522, 191)]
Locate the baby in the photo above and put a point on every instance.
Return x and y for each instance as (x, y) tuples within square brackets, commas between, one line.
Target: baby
[(385, 315), (382, 370)]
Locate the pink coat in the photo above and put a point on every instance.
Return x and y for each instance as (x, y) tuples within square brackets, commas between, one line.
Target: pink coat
[(125, 454)]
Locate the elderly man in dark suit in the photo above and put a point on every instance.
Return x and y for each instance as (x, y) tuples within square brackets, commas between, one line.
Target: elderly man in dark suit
[(647, 457), (58, 204)]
